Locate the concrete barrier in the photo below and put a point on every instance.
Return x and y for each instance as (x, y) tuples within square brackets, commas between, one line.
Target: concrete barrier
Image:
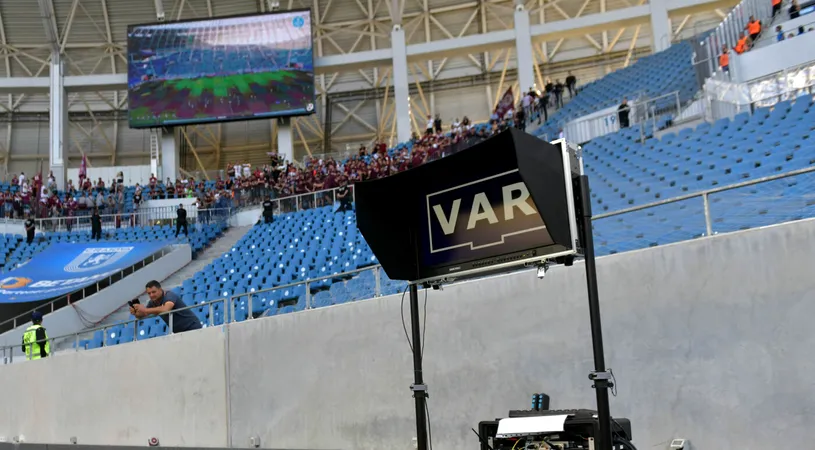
[(710, 340), (67, 320), (123, 395)]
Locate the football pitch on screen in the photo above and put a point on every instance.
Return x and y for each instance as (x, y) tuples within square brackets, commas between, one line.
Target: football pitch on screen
[(163, 98)]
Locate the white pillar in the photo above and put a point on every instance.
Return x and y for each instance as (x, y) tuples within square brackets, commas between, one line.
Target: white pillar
[(58, 120), (523, 48), (169, 155), (401, 85), (285, 145), (660, 25)]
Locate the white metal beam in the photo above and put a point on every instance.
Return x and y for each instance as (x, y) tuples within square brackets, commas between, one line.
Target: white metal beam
[(577, 27), (49, 23)]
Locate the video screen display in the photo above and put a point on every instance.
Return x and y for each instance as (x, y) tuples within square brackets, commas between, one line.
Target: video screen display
[(215, 70)]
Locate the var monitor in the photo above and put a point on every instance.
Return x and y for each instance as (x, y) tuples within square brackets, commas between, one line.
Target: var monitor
[(504, 202)]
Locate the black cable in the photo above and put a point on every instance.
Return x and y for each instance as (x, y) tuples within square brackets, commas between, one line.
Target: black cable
[(429, 428), (404, 326), (613, 382), (424, 325)]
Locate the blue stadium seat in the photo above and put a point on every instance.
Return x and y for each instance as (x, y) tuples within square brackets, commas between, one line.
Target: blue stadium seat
[(651, 76)]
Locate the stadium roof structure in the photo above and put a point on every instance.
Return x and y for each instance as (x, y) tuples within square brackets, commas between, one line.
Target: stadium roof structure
[(450, 44)]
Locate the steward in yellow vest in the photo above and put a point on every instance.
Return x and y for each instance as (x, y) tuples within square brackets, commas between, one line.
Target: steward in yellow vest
[(35, 340)]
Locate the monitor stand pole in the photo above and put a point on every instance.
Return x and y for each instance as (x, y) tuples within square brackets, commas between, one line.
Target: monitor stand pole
[(600, 377), (418, 387)]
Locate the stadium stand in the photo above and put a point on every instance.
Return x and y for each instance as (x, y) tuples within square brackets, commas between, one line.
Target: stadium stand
[(625, 173), (17, 252), (628, 173), (298, 246), (667, 71)]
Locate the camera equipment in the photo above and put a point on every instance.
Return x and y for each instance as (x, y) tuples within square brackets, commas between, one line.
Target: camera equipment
[(538, 428)]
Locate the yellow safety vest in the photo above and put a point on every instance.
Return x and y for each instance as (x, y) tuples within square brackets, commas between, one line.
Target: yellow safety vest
[(32, 347)]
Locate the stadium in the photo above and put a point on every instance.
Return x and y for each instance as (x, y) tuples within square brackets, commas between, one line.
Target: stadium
[(210, 208)]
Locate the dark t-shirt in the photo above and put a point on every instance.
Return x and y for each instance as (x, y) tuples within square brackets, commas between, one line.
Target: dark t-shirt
[(622, 112), (182, 320), (343, 190)]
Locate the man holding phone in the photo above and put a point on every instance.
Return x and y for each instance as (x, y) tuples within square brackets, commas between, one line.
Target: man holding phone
[(163, 302)]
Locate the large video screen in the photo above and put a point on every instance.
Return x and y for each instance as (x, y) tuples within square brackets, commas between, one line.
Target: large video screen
[(214, 70)]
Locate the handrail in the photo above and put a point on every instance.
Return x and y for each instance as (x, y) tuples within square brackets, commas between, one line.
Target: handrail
[(707, 192), (26, 316), (142, 212), (795, 29), (786, 91), (208, 304), (642, 111), (88, 211), (141, 218), (704, 194)]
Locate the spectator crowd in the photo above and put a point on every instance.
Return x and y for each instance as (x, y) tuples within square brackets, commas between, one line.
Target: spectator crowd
[(243, 184)]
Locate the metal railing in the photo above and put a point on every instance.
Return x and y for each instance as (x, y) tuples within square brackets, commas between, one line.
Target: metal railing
[(705, 197), (725, 99), (643, 111), (220, 311), (69, 299), (309, 200), (239, 307), (140, 218), (794, 29)]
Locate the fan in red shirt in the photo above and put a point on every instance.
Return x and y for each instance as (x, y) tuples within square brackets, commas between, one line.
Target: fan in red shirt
[(54, 205), (36, 182)]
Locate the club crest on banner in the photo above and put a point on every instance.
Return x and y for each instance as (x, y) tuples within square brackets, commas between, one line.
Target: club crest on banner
[(14, 282), (96, 258)]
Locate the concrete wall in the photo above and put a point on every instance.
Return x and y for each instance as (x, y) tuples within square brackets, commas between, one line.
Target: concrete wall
[(774, 58), (710, 341), (66, 320), (132, 174), (121, 396), (13, 226), (245, 217)]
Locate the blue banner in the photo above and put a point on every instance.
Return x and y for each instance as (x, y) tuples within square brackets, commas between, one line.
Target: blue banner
[(64, 268)]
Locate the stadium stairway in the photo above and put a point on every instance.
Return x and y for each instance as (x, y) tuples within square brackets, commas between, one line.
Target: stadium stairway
[(220, 246)]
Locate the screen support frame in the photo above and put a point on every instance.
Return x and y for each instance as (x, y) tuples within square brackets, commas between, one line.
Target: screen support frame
[(600, 377), (534, 260)]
